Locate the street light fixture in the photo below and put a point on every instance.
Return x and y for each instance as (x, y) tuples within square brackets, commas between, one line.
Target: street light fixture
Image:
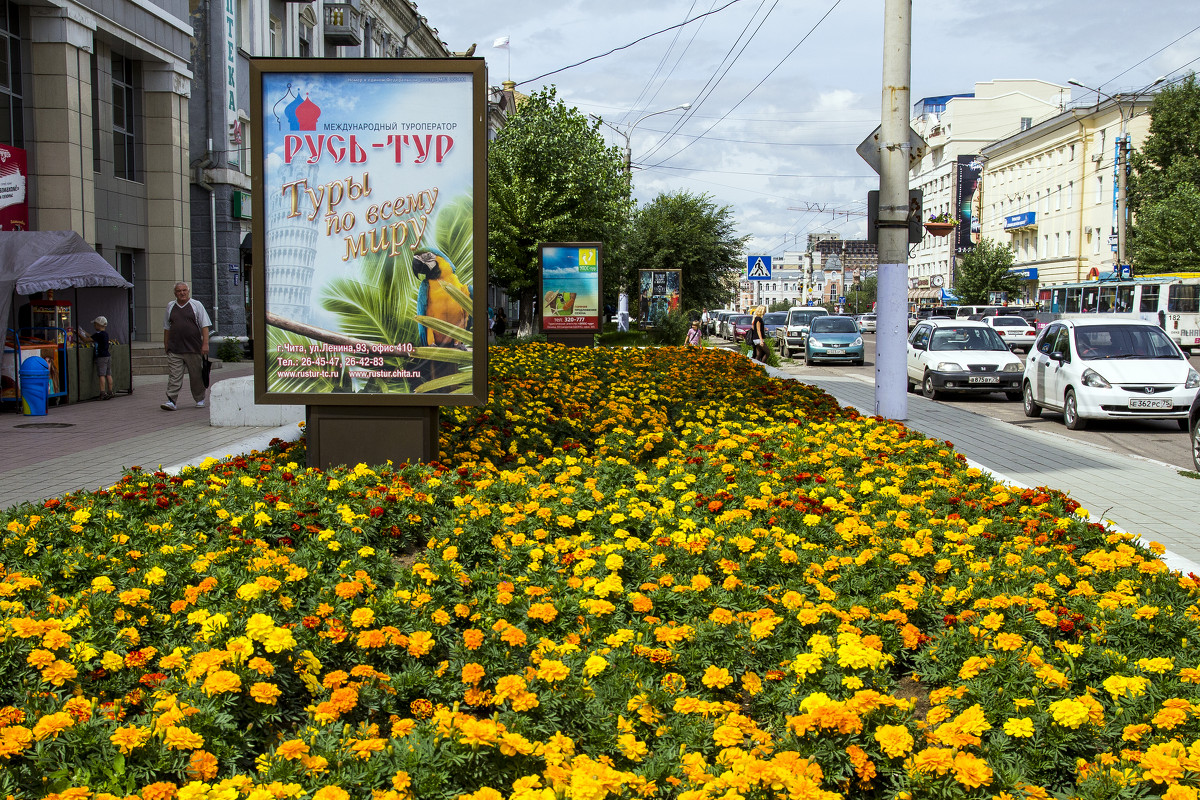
[(1122, 154), (629, 133)]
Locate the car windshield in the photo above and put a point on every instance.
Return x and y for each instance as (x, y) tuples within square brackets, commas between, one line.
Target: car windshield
[(743, 319), (804, 317), (775, 318), (966, 338), (1010, 322), (833, 325), (1096, 342)]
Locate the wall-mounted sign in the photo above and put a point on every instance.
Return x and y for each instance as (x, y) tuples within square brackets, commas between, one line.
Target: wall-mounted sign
[(14, 206), (570, 286), (1025, 220), (369, 231)]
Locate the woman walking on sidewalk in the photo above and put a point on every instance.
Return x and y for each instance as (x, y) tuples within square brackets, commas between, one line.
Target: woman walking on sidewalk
[(758, 334)]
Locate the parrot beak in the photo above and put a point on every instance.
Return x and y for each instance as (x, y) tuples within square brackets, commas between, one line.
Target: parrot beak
[(425, 264)]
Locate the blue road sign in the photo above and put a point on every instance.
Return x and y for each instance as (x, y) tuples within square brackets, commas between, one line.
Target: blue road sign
[(758, 268)]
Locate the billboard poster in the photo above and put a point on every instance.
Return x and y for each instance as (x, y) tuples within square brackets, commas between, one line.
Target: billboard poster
[(658, 294), (570, 287), (968, 188), (369, 217), (14, 205)]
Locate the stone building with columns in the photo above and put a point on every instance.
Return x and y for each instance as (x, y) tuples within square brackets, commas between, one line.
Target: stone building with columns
[(96, 93)]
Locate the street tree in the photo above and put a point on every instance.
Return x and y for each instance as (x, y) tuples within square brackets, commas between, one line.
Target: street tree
[(860, 297), (1163, 196), (985, 269), (687, 232), (551, 178)]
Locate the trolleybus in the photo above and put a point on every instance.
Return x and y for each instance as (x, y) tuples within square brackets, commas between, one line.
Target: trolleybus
[(1171, 301)]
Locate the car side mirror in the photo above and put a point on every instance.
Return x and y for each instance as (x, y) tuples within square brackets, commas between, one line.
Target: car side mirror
[(1058, 356)]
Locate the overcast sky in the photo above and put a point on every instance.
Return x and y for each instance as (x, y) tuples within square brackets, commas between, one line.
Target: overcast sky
[(782, 91)]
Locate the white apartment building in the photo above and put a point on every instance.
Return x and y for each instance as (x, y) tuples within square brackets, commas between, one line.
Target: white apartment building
[(1050, 191), (957, 128)]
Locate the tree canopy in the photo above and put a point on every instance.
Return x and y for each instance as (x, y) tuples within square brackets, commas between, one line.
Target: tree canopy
[(985, 269), (690, 233), (1163, 196), (551, 178)]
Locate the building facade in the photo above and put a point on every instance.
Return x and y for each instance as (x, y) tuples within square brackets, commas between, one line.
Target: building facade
[(228, 35), (1050, 191), (956, 128), (96, 94)]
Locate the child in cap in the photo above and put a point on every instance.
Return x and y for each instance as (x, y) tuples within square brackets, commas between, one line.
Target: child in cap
[(103, 357)]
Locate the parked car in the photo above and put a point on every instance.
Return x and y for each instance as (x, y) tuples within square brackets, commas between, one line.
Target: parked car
[(867, 322), (791, 337), (723, 328), (957, 355), (714, 321), (969, 312), (1018, 332), (739, 325), (1108, 369), (1194, 424), (833, 338), (913, 319), (774, 320)]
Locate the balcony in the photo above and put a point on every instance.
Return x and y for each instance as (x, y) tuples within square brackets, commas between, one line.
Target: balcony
[(343, 25)]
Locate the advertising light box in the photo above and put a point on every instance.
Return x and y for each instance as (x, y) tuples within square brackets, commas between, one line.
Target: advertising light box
[(570, 287), (370, 198)]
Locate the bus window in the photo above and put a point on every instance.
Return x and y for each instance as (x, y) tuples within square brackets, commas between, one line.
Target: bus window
[(1124, 299), (1149, 301), (1058, 300), (1089, 300), (1073, 296), (1108, 299), (1183, 299)]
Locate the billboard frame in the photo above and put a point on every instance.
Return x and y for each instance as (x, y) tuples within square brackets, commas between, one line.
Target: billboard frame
[(588, 328)]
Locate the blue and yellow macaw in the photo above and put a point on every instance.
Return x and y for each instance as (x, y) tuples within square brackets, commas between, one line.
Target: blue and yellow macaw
[(434, 301)]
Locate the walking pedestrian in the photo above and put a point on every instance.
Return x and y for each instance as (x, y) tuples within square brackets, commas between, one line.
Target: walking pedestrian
[(185, 340), (499, 323), (693, 334), (758, 334)]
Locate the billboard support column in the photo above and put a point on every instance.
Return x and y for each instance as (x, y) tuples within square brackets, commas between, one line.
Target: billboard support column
[(372, 435)]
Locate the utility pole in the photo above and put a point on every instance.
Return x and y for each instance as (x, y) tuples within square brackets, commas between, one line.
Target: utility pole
[(891, 338)]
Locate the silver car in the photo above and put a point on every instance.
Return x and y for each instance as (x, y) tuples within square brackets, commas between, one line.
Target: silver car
[(866, 323)]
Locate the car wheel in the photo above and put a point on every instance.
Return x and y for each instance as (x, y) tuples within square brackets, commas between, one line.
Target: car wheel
[(910, 385), (1032, 409), (1183, 424), (858, 362), (929, 390), (1071, 412), (1196, 445), (808, 362)]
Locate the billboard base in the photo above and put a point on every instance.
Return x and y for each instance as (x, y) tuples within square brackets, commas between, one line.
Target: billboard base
[(371, 435), (571, 339)]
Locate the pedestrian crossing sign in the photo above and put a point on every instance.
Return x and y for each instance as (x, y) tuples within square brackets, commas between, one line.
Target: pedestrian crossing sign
[(758, 268)]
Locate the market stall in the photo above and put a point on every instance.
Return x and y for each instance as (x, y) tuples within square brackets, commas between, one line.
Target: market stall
[(52, 285)]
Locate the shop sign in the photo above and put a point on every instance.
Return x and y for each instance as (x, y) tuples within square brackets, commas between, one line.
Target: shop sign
[(14, 206)]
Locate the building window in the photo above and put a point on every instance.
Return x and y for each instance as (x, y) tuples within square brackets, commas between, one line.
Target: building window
[(125, 117), (1099, 188), (306, 33), (96, 131), (12, 108), (1057, 240), (1068, 251), (1026, 123), (1070, 193), (276, 37)]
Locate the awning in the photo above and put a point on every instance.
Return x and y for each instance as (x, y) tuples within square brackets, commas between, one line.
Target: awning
[(925, 294)]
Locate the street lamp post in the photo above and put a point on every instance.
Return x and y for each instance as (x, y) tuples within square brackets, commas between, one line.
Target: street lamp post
[(629, 133), (1122, 155)]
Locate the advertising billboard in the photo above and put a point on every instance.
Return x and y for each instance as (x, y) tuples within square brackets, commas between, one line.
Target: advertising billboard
[(570, 286), (658, 294), (14, 204), (370, 199), (967, 185)]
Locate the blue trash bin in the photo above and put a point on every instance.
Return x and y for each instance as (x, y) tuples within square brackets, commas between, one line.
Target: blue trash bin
[(35, 386)]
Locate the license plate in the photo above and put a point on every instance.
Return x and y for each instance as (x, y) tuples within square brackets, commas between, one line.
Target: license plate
[(983, 379), (834, 351), (1145, 402)]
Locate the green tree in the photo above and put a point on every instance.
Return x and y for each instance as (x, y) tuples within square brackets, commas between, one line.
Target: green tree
[(551, 178), (985, 269), (1163, 196), (861, 296), (690, 233)]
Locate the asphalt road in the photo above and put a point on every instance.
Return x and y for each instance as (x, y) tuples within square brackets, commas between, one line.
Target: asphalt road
[(1157, 440)]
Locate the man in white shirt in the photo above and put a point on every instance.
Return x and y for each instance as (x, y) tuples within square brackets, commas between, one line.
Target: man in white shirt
[(185, 339)]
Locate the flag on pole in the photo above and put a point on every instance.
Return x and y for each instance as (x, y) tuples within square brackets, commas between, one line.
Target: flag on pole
[(501, 43)]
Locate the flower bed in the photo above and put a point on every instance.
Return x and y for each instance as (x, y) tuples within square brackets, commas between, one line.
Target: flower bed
[(651, 573)]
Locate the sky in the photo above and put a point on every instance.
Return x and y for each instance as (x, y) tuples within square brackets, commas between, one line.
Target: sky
[(783, 91)]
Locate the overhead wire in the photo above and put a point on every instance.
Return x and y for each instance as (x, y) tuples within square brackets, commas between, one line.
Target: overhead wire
[(678, 61), (662, 61)]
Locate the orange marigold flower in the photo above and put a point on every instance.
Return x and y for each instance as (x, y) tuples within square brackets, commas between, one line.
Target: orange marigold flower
[(472, 673), (202, 766), (127, 739), (551, 670), (51, 725), (292, 749), (514, 636), (266, 693), (971, 771), (180, 738), (331, 793), (420, 643), (163, 790), (472, 638), (546, 612), (716, 677), (221, 682), (894, 740)]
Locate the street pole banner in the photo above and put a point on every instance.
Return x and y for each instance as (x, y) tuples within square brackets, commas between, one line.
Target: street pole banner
[(570, 287), (659, 294), (370, 197)]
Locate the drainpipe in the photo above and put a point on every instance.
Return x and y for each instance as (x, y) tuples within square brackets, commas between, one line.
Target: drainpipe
[(198, 168)]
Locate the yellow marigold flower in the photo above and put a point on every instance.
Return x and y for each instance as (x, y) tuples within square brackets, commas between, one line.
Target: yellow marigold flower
[(221, 682), (178, 737), (59, 672), (1019, 727), (331, 793), (1007, 641), (52, 724), (716, 677), (631, 748), (594, 666), (1162, 763), (728, 736), (420, 643), (551, 670), (1158, 666), (128, 738), (1134, 733), (894, 740), (362, 617), (265, 693), (1069, 713)]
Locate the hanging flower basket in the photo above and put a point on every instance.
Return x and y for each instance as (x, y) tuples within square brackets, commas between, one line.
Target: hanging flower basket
[(939, 228)]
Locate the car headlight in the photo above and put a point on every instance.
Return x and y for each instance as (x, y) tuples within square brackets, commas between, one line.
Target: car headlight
[(1016, 366), (1094, 379), (1193, 380), (857, 342), (814, 342), (948, 366)]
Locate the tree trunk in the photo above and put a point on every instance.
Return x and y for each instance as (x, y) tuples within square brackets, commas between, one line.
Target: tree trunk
[(525, 328)]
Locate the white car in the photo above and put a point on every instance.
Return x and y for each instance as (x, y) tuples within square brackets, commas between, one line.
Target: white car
[(959, 355), (1108, 369), (866, 323), (1017, 331)]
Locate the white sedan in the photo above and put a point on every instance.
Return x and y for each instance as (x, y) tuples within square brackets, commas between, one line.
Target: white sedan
[(1108, 369), (1017, 332)]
